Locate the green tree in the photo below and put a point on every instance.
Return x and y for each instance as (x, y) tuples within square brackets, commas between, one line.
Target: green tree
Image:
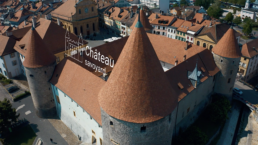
[(247, 29), (7, 115), (183, 3), (193, 136), (215, 11), (237, 20), (175, 5), (247, 20), (229, 17)]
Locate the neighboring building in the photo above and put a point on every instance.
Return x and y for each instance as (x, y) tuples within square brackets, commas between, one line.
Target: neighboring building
[(102, 7), (250, 10), (192, 32), (172, 30), (160, 24), (209, 36), (248, 67), (9, 58), (79, 17), (19, 17), (122, 3), (151, 3)]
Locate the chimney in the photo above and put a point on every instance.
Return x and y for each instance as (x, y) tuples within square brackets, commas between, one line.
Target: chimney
[(24, 22), (156, 16), (34, 22), (184, 57), (176, 62), (58, 21), (186, 45)]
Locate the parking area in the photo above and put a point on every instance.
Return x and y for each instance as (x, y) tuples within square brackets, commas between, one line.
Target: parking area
[(13, 90)]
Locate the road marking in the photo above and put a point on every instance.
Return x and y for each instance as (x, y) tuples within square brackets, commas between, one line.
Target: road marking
[(20, 107), (27, 112)]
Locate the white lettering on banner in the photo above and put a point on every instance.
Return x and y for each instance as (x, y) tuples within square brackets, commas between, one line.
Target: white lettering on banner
[(73, 49)]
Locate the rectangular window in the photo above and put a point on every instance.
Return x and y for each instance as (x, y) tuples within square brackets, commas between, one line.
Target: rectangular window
[(229, 80), (231, 72), (57, 99), (3, 65), (187, 37), (74, 114), (183, 34), (177, 32), (0, 70), (14, 62), (5, 73), (191, 39), (12, 55), (180, 33)]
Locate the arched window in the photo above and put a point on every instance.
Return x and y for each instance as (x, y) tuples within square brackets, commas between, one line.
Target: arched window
[(80, 11), (93, 27), (211, 47), (92, 8), (204, 45), (81, 30), (75, 31), (198, 43)]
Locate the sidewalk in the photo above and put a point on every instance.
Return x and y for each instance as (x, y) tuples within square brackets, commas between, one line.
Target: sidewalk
[(230, 126)]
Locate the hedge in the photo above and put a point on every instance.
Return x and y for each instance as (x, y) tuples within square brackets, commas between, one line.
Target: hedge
[(18, 97)]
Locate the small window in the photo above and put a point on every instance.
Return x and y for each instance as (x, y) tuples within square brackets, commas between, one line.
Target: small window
[(92, 9), (221, 60), (14, 62), (80, 11), (57, 99), (204, 45), (111, 123), (244, 58), (231, 72), (233, 62), (188, 109), (31, 75), (143, 129), (229, 80), (74, 114), (12, 55)]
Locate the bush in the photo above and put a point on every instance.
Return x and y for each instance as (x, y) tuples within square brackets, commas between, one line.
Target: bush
[(18, 97), (217, 112)]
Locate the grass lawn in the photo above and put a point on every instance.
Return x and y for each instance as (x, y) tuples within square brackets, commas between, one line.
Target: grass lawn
[(24, 136)]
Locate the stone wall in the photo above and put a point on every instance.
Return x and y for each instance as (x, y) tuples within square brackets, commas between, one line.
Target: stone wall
[(116, 131), (41, 91)]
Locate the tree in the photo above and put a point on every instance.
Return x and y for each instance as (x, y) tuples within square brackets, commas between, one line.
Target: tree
[(215, 11), (247, 29), (247, 20), (237, 20), (229, 17), (175, 5), (234, 10), (7, 115), (183, 3), (193, 136)]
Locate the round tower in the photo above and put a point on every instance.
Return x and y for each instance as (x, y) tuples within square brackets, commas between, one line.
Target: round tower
[(39, 65), (137, 101), (227, 57)]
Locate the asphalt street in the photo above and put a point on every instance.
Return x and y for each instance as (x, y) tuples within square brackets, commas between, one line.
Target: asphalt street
[(42, 127)]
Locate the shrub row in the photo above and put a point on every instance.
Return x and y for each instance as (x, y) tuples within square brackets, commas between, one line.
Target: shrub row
[(18, 97)]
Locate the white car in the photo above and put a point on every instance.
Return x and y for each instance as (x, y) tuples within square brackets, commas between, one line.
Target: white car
[(237, 91)]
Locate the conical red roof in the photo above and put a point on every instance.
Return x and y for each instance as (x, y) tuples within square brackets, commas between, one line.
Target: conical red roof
[(37, 53), (138, 90), (228, 46), (144, 20)]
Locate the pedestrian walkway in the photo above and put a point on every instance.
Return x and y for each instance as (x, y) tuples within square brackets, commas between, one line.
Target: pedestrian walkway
[(230, 126), (65, 132)]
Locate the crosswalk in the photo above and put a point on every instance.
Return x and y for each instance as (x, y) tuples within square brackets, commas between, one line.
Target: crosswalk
[(20, 107)]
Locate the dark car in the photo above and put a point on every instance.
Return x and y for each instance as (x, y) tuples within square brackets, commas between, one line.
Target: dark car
[(12, 89)]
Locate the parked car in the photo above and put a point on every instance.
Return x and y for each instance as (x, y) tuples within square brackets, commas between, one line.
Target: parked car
[(12, 89), (237, 91)]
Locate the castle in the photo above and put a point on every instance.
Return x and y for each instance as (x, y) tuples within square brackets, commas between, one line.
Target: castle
[(157, 86)]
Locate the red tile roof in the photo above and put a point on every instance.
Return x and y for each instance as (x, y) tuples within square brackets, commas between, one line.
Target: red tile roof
[(144, 20), (79, 84), (133, 92), (37, 53), (228, 46), (250, 49), (7, 45)]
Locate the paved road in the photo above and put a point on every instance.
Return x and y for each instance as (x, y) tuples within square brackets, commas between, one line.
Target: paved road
[(248, 93), (4, 93), (42, 127)]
